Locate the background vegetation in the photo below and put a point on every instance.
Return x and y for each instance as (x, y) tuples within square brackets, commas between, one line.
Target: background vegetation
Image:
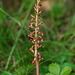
[(59, 35)]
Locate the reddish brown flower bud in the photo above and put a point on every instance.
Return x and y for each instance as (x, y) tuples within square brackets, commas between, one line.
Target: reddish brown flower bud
[(38, 27), (41, 11), (30, 26), (32, 19), (41, 45), (31, 49), (30, 40), (40, 56), (40, 5), (32, 16), (35, 13), (34, 60), (39, 19), (40, 23), (28, 35), (42, 39), (39, 36), (34, 39), (34, 8), (38, 40), (42, 33), (35, 5), (31, 33)]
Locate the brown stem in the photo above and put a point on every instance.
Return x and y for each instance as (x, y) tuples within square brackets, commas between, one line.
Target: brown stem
[(36, 62)]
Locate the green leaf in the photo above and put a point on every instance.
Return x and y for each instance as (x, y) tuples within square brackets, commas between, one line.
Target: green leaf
[(49, 74), (68, 64), (73, 74), (6, 73), (54, 68), (66, 71)]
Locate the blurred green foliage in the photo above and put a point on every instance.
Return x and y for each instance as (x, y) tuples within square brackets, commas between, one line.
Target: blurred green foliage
[(59, 35), (54, 69)]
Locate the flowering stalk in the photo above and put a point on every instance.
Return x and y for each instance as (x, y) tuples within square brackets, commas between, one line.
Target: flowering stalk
[(36, 35)]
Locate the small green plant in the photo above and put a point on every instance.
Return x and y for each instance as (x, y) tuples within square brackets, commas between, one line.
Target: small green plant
[(54, 69)]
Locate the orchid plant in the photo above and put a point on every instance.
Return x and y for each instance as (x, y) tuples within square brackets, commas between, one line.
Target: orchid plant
[(36, 36)]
